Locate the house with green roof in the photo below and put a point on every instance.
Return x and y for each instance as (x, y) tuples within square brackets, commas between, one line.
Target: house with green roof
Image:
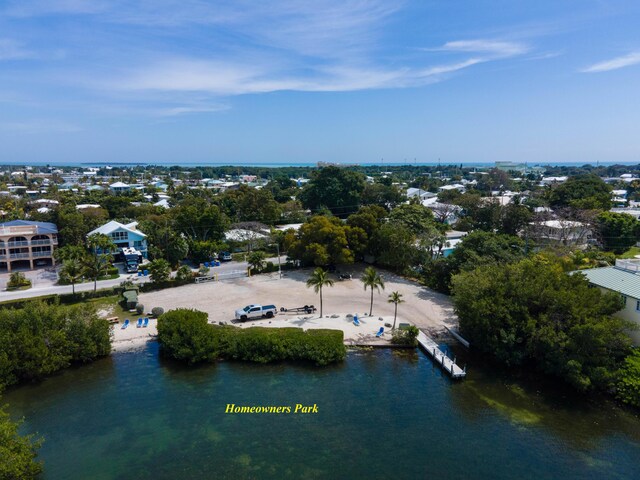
[(624, 279)]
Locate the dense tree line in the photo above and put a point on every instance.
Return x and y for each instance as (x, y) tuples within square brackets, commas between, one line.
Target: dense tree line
[(41, 339), (532, 313)]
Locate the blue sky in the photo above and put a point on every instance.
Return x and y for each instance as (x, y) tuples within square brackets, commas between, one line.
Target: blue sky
[(239, 81)]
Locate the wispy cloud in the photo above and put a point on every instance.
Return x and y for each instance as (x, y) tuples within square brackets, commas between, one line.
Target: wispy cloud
[(614, 64), (228, 79), (189, 109), (35, 8), (13, 50), (178, 57), (490, 47)]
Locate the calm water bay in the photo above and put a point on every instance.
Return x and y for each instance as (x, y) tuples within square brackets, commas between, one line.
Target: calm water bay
[(381, 415)]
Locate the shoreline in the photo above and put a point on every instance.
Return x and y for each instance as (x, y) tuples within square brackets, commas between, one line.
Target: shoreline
[(364, 335)]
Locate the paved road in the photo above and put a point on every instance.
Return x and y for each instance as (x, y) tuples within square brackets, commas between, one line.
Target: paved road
[(44, 282)]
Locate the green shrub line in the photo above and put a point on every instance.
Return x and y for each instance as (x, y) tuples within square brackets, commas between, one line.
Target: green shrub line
[(41, 339), (185, 335)]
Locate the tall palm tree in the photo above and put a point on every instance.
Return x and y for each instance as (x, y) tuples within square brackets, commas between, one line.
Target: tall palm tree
[(372, 279), (318, 279), (72, 272), (96, 264), (395, 298)]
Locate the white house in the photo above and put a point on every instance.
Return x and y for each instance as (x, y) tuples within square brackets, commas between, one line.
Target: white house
[(624, 279), (564, 232), (455, 186), (124, 236), (420, 193), (553, 180), (119, 187)]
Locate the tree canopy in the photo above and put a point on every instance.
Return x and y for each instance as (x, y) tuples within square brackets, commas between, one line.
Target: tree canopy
[(533, 313), (585, 191), (335, 188), (321, 241), (617, 231)]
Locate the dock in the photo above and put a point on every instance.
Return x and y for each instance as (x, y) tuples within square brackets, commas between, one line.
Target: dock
[(438, 356)]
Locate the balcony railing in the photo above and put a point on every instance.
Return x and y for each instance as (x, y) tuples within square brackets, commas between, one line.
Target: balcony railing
[(41, 242), (15, 256), (24, 243), (46, 253)]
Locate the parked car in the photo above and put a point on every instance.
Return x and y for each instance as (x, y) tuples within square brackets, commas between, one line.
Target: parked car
[(256, 311), (225, 257)]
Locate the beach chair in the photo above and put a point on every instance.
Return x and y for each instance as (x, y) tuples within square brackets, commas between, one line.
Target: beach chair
[(146, 322), (380, 332), (139, 324), (125, 324), (356, 322)]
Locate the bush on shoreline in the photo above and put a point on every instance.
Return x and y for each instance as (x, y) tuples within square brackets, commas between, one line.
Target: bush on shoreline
[(17, 453), (408, 336), (185, 335), (628, 385), (42, 338)]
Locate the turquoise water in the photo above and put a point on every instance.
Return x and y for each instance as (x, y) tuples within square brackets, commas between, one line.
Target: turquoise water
[(380, 415)]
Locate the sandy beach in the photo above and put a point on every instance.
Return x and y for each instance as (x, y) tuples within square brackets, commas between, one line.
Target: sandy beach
[(424, 308)]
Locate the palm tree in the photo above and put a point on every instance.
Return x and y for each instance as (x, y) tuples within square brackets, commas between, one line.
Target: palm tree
[(318, 279), (97, 263), (395, 298), (72, 272), (256, 260), (372, 279)]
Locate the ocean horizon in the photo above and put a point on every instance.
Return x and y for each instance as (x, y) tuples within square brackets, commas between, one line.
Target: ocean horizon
[(303, 164)]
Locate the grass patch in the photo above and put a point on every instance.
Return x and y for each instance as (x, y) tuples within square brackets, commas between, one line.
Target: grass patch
[(631, 253), (111, 305)]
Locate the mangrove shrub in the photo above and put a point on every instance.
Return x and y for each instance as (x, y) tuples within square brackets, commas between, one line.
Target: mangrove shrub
[(40, 339), (185, 335)]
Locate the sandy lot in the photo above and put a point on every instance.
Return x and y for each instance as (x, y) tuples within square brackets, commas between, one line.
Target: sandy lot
[(428, 310)]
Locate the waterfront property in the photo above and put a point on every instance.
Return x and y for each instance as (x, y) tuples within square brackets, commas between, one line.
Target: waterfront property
[(623, 278), (124, 236), (25, 243)]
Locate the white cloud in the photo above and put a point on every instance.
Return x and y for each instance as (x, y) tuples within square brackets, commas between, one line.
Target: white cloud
[(491, 47), (219, 78), (614, 64), (188, 109)]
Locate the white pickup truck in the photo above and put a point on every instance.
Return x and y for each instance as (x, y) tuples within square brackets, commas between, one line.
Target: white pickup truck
[(256, 311)]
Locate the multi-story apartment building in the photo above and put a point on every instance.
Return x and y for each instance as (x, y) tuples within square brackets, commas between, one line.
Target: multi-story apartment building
[(25, 243)]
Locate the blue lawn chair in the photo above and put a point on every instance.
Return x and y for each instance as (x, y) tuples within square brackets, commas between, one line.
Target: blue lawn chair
[(139, 273), (356, 322), (145, 272), (146, 322), (139, 323), (380, 332), (125, 324), (206, 264)]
